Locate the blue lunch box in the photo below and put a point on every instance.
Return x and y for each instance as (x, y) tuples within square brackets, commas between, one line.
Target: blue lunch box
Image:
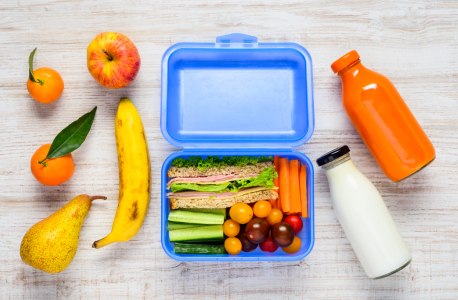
[(238, 97)]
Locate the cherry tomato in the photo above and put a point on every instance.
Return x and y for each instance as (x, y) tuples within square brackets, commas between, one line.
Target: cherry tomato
[(282, 234), (233, 245), (294, 247), (275, 216), (241, 213), (262, 209), (257, 230), (247, 246), (295, 221), (268, 245), (231, 228)]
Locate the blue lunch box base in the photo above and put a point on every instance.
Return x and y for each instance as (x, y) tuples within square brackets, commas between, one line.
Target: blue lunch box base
[(307, 235)]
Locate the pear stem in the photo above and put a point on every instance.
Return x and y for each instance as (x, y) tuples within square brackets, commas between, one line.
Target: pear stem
[(97, 197)]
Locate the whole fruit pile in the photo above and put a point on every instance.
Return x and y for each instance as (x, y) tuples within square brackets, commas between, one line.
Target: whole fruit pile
[(50, 245), (261, 225)]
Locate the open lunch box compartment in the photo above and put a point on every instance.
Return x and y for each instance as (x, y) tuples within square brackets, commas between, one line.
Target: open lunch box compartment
[(237, 97)]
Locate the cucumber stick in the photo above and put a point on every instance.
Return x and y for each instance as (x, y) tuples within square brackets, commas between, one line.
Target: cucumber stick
[(196, 233), (217, 241), (195, 217), (219, 211), (174, 225), (182, 248)]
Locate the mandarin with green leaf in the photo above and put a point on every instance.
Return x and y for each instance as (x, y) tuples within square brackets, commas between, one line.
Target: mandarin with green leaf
[(52, 164), (51, 171), (44, 84)]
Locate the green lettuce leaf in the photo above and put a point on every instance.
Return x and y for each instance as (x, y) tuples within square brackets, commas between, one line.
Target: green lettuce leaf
[(217, 161), (265, 179), (181, 187)]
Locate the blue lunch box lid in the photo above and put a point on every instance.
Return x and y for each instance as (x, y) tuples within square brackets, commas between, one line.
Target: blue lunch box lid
[(237, 94)]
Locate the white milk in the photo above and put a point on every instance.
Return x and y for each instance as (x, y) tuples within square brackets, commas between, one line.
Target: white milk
[(366, 220)]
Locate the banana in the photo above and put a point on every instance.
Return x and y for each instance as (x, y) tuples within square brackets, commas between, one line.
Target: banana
[(134, 175)]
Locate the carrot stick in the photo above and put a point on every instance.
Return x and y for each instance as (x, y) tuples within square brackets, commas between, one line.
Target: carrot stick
[(277, 180), (273, 203), (278, 199), (285, 193), (303, 187), (294, 186), (298, 173)]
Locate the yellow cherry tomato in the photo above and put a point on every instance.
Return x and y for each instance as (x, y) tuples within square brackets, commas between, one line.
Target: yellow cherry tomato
[(274, 217), (233, 245), (231, 228), (241, 213), (262, 209), (294, 247)]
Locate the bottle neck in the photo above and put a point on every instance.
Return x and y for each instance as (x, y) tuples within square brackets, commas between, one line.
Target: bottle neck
[(337, 162), (340, 168), (350, 68)]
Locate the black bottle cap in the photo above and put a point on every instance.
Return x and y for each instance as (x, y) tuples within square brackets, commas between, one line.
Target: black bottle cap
[(333, 155)]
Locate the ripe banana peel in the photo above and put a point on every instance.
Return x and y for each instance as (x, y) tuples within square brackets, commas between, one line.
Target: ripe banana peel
[(134, 175)]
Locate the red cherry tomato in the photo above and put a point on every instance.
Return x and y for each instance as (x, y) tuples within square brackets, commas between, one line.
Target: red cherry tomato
[(268, 245), (295, 221)]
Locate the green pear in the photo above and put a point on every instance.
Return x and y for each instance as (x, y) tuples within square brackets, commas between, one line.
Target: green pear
[(51, 244)]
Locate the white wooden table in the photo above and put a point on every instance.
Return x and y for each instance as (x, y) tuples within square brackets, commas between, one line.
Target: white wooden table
[(414, 44)]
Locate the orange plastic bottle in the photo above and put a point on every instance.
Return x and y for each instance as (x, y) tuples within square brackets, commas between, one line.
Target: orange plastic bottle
[(382, 119)]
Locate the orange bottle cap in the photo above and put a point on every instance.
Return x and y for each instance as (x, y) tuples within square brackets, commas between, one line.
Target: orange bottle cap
[(344, 61)]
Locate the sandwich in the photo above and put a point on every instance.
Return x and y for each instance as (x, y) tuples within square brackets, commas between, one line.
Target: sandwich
[(219, 182)]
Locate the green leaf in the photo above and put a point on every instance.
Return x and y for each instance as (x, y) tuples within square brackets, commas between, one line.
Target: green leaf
[(265, 179), (71, 138), (31, 65), (179, 187), (218, 162)]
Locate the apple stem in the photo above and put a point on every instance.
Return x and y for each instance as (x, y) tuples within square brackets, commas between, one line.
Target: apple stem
[(110, 58)]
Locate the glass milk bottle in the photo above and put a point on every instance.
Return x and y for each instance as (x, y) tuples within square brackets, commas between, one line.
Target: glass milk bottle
[(364, 216)]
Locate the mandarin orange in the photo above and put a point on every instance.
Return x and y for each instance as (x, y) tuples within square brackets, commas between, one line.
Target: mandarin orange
[(56, 171), (49, 86)]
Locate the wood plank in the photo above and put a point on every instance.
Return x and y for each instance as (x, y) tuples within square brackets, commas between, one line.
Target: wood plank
[(413, 43)]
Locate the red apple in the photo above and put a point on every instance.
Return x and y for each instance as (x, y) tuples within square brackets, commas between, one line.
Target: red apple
[(113, 60)]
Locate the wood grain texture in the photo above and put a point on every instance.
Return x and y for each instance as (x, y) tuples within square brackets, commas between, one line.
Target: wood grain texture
[(414, 43)]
